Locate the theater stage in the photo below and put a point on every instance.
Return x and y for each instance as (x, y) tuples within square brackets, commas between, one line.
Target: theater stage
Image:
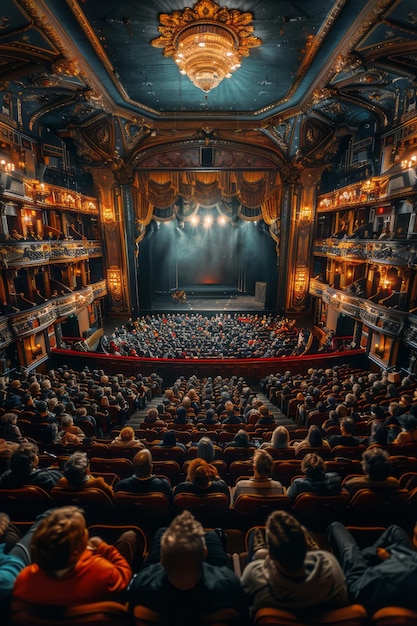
[(207, 298)]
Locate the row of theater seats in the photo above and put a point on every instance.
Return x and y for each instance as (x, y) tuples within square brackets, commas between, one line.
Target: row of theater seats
[(152, 510), (114, 614)]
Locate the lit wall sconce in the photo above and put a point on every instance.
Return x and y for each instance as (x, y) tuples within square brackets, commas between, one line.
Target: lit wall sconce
[(408, 163), (36, 350), (114, 280), (6, 166), (305, 215), (108, 214), (379, 349), (40, 192)]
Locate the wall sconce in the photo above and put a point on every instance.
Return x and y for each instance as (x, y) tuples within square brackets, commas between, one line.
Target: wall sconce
[(408, 163), (115, 283), (6, 166), (40, 192), (36, 350), (379, 350), (108, 214), (305, 215)]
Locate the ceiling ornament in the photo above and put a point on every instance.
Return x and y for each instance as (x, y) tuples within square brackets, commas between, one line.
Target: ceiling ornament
[(207, 42)]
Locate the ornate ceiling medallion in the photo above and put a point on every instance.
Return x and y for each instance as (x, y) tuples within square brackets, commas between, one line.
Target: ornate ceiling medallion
[(207, 42)]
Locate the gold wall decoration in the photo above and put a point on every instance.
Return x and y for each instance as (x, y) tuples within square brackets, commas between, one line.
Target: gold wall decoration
[(207, 42)]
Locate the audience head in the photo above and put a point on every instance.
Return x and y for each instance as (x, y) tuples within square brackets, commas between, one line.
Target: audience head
[(168, 438), (313, 466), (376, 463), (347, 426), (127, 433), (380, 434), (205, 449), (286, 541), (241, 438), (152, 415), (59, 540), (263, 464), (142, 464), (24, 459), (201, 473), (314, 436), (280, 437), (76, 468), (183, 550)]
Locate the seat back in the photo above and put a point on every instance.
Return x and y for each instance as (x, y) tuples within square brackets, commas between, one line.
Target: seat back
[(384, 507), (122, 467), (394, 616), (254, 510), (96, 504), (237, 454), (142, 509), (23, 505), (353, 615), (317, 512), (162, 453), (211, 509), (99, 613)]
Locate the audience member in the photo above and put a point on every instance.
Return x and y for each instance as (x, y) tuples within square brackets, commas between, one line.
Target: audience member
[(23, 470), (261, 482), (280, 438), (291, 576), (316, 480), (187, 575), (202, 478), (68, 567), (314, 439), (76, 475), (126, 439), (377, 473), (346, 438), (143, 480)]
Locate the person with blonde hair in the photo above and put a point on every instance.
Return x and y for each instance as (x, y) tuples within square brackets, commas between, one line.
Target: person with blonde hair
[(261, 482), (280, 438), (126, 439), (69, 567)]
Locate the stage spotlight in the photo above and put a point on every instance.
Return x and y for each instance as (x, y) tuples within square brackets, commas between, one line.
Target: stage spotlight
[(221, 220), (194, 220), (208, 220)]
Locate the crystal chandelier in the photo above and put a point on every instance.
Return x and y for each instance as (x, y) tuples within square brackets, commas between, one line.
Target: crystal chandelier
[(207, 42)]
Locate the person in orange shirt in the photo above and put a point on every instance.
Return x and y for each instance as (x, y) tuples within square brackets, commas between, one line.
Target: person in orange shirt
[(69, 567)]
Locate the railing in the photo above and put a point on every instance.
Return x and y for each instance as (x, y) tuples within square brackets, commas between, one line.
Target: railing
[(391, 321), (24, 253), (400, 253)]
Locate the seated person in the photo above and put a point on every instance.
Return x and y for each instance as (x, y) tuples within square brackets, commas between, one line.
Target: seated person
[(23, 470), (240, 440), (205, 449), (126, 439), (266, 418), (9, 429), (181, 416), (229, 416), (280, 438), (209, 419), (202, 478), (76, 475), (261, 482), (409, 430), (289, 575), (346, 438), (314, 439), (68, 567), (153, 420), (187, 575), (384, 574), (316, 480), (169, 440), (377, 469), (69, 434), (143, 480)]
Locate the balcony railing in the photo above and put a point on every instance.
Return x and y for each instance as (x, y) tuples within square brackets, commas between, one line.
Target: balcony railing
[(399, 253), (25, 322), (390, 321), (24, 253), (99, 289)]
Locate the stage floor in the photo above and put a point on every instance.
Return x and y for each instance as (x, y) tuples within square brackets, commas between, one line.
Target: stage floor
[(200, 303)]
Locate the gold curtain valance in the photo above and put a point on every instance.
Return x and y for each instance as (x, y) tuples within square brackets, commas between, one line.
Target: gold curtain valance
[(162, 189)]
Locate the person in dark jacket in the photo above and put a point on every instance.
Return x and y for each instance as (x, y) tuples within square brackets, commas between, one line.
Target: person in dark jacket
[(316, 480), (23, 470), (142, 480)]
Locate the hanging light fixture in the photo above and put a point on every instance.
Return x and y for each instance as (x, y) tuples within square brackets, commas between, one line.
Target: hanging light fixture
[(207, 42)]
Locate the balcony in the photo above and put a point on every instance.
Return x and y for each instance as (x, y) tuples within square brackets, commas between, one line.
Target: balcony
[(391, 321), (68, 250), (14, 254), (37, 318), (6, 335), (99, 289), (398, 253)]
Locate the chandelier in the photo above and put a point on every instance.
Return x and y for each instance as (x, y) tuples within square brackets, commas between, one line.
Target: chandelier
[(207, 42)]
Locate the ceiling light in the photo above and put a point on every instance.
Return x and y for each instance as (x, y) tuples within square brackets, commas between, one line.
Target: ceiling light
[(207, 42)]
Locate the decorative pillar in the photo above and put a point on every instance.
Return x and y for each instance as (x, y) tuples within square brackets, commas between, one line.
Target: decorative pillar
[(113, 239), (301, 234)]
